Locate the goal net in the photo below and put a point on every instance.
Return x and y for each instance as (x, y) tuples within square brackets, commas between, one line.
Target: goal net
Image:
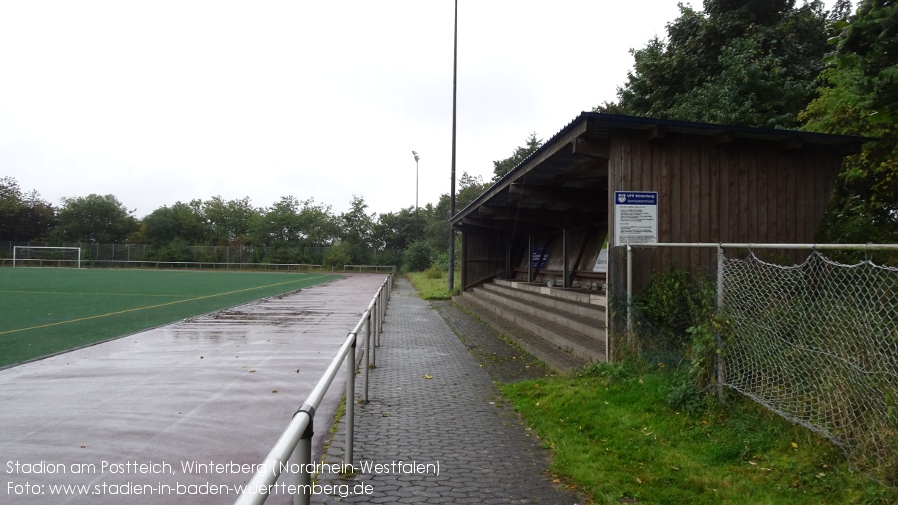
[(29, 256), (817, 343)]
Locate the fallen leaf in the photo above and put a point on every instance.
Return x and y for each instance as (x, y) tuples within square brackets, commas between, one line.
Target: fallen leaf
[(252, 371), (201, 357), (297, 370), (794, 445), (274, 390), (84, 447), (428, 376)]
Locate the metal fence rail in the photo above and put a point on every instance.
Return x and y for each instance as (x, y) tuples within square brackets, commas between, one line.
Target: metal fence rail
[(297, 437)]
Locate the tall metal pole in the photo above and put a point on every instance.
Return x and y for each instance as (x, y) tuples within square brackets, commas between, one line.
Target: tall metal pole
[(452, 190), (415, 154), (417, 223)]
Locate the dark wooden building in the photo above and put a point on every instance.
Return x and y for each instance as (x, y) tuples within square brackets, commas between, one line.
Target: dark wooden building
[(546, 220)]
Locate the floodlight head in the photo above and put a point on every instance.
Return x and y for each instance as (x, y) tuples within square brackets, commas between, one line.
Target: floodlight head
[(416, 156)]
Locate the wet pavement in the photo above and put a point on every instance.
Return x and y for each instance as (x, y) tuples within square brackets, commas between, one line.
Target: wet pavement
[(177, 414), (436, 429)]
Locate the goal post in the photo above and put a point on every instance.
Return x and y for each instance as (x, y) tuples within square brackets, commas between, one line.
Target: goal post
[(44, 256)]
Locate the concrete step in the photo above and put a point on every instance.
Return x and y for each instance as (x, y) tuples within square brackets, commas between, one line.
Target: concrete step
[(574, 295), (564, 307), (590, 347), (554, 357), (589, 326)]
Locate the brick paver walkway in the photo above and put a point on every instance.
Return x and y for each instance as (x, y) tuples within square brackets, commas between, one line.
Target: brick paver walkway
[(433, 405)]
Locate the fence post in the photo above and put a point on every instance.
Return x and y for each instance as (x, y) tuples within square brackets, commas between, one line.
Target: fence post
[(630, 291), (719, 354), (383, 311), (350, 398), (375, 310), (303, 454), (368, 354)]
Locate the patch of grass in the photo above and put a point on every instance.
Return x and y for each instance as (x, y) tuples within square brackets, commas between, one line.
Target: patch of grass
[(430, 288), (613, 436)]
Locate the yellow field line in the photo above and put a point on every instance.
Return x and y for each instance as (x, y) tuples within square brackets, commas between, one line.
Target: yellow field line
[(154, 306)]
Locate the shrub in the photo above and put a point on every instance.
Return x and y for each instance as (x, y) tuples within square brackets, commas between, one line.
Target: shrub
[(337, 256), (434, 272), (418, 256)]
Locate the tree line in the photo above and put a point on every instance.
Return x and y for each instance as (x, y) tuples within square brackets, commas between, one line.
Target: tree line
[(761, 63), (290, 230)]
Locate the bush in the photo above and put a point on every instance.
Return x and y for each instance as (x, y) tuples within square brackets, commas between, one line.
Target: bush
[(434, 272), (337, 256), (176, 250), (673, 303), (418, 256)]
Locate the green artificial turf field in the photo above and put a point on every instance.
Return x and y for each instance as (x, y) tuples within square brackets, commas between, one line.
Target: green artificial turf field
[(47, 310)]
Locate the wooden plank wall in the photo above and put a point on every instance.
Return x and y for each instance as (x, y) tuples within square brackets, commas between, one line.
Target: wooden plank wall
[(748, 191), (586, 240), (483, 255)]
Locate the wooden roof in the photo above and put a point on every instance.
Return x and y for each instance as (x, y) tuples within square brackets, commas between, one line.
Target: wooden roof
[(564, 183)]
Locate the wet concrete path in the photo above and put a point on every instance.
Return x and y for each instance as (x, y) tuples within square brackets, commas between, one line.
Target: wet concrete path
[(125, 420)]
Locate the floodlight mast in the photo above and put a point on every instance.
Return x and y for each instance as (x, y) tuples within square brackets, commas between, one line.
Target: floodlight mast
[(416, 182), (417, 223), (452, 187)]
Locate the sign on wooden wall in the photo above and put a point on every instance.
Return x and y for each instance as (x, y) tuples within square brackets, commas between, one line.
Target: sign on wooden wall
[(635, 217)]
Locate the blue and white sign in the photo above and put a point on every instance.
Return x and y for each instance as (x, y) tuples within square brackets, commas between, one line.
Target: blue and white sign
[(635, 217)]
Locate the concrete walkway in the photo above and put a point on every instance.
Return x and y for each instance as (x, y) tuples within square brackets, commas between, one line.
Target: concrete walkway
[(436, 429)]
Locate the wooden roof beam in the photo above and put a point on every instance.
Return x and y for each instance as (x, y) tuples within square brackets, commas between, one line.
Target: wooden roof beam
[(575, 198), (591, 148), (553, 219)]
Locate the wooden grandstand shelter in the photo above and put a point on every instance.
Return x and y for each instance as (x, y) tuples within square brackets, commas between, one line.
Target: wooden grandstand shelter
[(547, 219)]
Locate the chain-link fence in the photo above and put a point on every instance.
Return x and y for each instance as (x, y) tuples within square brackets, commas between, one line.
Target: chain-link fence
[(814, 341)]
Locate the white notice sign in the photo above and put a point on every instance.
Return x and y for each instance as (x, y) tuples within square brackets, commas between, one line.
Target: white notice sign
[(635, 217)]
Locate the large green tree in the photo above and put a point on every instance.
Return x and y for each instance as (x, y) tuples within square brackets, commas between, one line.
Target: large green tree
[(356, 226), (181, 220), (860, 97), (228, 221), (96, 218), (23, 216), (746, 62)]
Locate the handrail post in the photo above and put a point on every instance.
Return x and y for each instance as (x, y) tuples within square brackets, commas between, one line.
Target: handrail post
[(376, 312), (350, 398), (383, 313), (721, 371), (303, 455), (371, 338), (630, 290), (369, 356)]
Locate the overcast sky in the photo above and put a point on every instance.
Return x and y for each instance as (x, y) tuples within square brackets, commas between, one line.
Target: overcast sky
[(163, 101)]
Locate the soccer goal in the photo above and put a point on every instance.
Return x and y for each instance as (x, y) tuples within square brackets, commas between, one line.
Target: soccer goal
[(33, 256)]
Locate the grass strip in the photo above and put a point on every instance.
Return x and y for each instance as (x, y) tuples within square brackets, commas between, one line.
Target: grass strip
[(619, 441), (430, 288)]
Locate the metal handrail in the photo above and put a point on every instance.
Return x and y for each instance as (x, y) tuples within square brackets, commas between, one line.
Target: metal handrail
[(297, 437)]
